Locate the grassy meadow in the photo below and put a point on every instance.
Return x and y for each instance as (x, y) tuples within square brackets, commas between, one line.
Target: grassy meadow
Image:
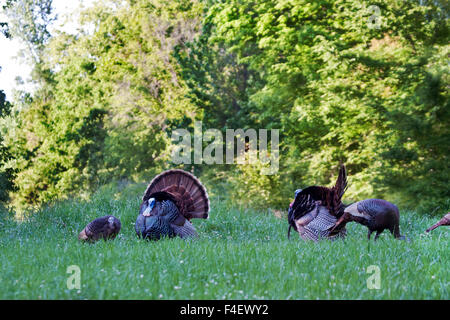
[(240, 254)]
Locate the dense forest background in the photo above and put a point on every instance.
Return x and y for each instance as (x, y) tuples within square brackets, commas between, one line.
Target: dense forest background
[(342, 82)]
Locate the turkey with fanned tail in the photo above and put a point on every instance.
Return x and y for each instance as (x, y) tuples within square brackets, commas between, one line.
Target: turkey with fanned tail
[(316, 209), (171, 200)]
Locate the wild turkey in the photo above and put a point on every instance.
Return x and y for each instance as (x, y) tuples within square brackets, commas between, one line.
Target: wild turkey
[(171, 200), (445, 221), (376, 214), (316, 209), (106, 227)]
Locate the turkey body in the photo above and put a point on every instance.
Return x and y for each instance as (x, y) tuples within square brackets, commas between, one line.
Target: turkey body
[(163, 222), (315, 224), (106, 228), (445, 221), (316, 209), (376, 214), (171, 200)]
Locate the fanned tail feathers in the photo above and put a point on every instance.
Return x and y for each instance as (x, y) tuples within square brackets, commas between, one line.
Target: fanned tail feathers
[(338, 192), (185, 189)]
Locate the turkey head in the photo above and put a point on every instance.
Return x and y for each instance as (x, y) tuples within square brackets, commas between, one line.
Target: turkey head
[(445, 221)]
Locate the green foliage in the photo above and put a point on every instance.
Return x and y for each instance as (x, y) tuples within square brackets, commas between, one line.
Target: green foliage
[(339, 90), (341, 84), (249, 182), (29, 21), (6, 174), (113, 96)]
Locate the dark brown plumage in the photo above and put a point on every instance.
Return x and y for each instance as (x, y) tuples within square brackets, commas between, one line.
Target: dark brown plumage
[(316, 208), (445, 221), (106, 228), (171, 200), (376, 214)]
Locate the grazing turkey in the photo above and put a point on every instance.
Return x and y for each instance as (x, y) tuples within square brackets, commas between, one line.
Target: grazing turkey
[(171, 200), (316, 209), (445, 221), (376, 214), (106, 227)]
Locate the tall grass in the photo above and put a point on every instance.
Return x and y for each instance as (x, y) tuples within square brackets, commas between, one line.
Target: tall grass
[(240, 254)]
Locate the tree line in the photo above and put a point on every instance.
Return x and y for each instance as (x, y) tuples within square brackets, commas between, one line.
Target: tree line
[(342, 82)]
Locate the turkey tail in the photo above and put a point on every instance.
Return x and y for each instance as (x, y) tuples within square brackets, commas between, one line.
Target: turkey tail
[(185, 189), (338, 192), (330, 197), (341, 183)]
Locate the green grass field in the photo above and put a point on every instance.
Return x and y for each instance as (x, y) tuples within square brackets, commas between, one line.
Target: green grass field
[(241, 254)]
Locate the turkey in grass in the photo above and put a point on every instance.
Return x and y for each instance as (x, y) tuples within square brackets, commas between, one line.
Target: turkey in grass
[(171, 200), (316, 209), (445, 221), (106, 228), (376, 214)]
